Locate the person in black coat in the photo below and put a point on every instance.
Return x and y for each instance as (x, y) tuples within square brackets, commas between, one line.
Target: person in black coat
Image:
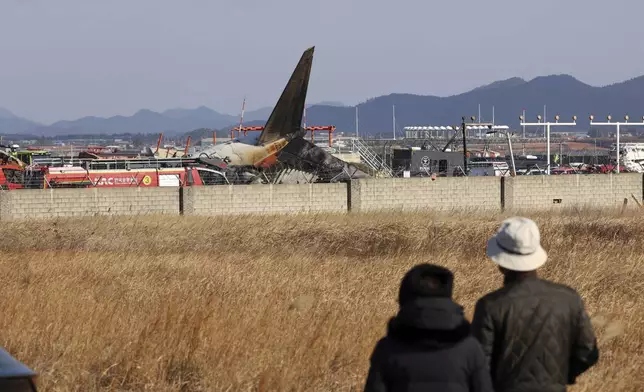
[(428, 346)]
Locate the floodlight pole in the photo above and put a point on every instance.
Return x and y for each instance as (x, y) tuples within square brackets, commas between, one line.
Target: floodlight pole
[(464, 147), (548, 124), (617, 125)]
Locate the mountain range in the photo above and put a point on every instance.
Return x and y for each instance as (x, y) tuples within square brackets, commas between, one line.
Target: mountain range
[(562, 94), (12, 124), (143, 121)]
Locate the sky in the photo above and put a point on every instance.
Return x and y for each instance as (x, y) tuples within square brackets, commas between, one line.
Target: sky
[(65, 59)]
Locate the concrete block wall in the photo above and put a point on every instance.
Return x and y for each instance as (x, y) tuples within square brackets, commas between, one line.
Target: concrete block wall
[(398, 194), (265, 199), (564, 191), (52, 203), (410, 194)]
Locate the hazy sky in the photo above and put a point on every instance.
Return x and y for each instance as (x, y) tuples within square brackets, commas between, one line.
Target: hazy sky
[(63, 59)]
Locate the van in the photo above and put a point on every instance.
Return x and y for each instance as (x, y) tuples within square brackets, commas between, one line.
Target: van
[(489, 168)]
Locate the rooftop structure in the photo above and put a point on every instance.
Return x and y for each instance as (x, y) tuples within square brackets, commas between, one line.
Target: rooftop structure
[(443, 131)]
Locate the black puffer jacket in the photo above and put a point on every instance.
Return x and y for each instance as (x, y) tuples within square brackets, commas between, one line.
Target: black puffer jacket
[(428, 347), (536, 336)]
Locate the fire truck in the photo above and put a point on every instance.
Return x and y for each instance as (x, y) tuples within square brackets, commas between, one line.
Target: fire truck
[(11, 176), (16, 177)]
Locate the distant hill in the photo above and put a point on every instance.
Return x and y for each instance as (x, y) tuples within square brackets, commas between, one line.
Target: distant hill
[(6, 114), (508, 83), (12, 124), (147, 121), (562, 94), (256, 115), (172, 121), (224, 133)]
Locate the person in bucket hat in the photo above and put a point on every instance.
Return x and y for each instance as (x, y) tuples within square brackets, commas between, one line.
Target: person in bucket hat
[(517, 246), (536, 334)]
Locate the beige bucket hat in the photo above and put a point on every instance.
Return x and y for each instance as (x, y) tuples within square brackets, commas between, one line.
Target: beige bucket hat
[(516, 245)]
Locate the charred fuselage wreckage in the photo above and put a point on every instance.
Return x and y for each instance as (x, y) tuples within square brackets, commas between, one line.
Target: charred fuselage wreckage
[(280, 153)]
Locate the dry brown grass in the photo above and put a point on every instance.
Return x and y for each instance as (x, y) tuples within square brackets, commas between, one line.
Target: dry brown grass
[(278, 303)]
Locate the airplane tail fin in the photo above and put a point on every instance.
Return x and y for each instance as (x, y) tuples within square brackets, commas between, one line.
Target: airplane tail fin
[(286, 117)]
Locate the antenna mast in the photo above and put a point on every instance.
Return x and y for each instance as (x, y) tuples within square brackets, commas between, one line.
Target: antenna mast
[(357, 135), (241, 118), (393, 107)]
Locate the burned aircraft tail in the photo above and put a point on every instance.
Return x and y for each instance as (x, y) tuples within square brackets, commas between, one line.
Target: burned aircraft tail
[(286, 117)]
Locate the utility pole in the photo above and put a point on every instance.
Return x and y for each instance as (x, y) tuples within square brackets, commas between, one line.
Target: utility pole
[(393, 108), (479, 117), (464, 146), (241, 117), (595, 152), (544, 119), (357, 135)]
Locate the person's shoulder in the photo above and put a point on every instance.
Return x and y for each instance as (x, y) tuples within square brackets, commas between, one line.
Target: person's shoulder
[(557, 286), (385, 347), (560, 290), (382, 343), (492, 297)]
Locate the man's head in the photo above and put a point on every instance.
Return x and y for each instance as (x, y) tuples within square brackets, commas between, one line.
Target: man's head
[(516, 246), (426, 280)]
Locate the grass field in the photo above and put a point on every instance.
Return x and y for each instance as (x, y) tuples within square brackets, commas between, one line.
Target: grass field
[(278, 303)]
